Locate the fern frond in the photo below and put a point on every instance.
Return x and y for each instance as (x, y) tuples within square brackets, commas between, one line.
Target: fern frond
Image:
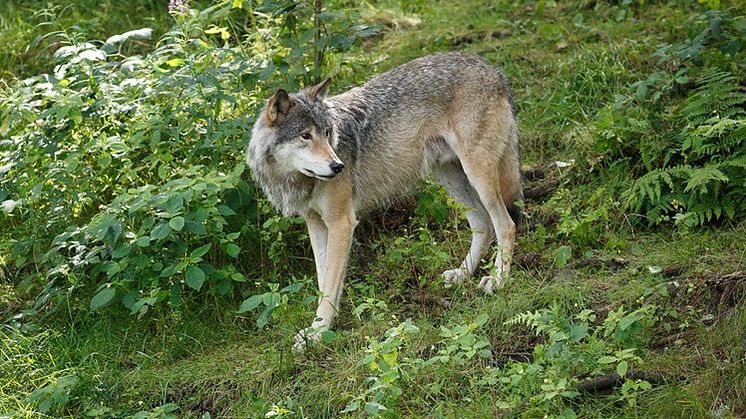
[(700, 178)]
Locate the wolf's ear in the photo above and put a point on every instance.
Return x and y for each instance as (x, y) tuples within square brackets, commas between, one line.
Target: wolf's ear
[(319, 91), (278, 106)]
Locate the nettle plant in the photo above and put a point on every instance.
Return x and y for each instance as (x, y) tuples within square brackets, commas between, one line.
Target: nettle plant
[(121, 177)]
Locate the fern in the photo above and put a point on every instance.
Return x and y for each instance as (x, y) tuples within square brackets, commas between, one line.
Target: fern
[(700, 178), (695, 180), (719, 95)]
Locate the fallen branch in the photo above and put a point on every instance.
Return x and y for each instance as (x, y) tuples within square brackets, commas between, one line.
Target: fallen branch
[(609, 381), (729, 277), (542, 190), (667, 340), (533, 173)]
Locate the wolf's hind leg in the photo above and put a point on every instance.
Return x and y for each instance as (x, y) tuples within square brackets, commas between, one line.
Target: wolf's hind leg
[(451, 175), (485, 180)]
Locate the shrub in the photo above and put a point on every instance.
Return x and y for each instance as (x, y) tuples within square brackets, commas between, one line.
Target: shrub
[(122, 176)]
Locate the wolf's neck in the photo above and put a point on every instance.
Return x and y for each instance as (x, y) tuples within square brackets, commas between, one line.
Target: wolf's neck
[(289, 193)]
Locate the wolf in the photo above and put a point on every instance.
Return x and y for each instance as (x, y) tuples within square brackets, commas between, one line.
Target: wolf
[(331, 158)]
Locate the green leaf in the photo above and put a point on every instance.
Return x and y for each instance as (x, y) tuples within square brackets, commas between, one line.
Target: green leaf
[(103, 297), (175, 62), (232, 250), (607, 359), (177, 223), (328, 336), (351, 406), (272, 301), (195, 277), (373, 408), (578, 331), (562, 255), (121, 251), (621, 368), (160, 231), (200, 251), (250, 303), (225, 210), (292, 288), (482, 319)]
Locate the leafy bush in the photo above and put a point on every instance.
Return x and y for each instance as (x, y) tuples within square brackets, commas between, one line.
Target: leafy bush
[(122, 176), (674, 147)]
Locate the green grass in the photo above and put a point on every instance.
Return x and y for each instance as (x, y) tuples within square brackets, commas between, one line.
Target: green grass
[(205, 358)]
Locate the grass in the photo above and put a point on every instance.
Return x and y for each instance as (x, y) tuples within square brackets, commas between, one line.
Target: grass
[(565, 62)]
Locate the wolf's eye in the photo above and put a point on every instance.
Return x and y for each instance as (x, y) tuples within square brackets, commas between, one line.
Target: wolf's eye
[(328, 133), (306, 136)]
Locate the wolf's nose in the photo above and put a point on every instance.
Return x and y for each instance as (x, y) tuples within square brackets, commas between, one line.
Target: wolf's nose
[(336, 166)]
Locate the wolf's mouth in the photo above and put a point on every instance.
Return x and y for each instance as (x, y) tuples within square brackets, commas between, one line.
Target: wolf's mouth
[(314, 174)]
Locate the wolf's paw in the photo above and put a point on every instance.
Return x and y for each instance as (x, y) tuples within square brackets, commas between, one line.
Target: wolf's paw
[(454, 276), (306, 337), (489, 283)]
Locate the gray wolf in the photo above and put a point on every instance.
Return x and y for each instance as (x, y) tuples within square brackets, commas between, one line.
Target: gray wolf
[(328, 158)]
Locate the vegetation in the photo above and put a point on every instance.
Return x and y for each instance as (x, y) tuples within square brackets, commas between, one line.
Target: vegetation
[(144, 275)]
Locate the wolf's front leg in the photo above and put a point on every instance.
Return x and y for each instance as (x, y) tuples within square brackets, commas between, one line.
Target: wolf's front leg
[(339, 240), (318, 234)]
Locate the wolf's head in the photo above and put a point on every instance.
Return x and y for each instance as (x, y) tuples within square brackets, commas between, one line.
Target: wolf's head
[(295, 133)]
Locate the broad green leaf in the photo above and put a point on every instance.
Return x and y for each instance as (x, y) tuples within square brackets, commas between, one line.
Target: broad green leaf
[(578, 331), (562, 255), (373, 408), (328, 336), (160, 231), (621, 368), (195, 277), (121, 251), (200, 251), (607, 359), (225, 210), (351, 407), (103, 297), (250, 303), (177, 223), (272, 301), (232, 249), (292, 288)]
